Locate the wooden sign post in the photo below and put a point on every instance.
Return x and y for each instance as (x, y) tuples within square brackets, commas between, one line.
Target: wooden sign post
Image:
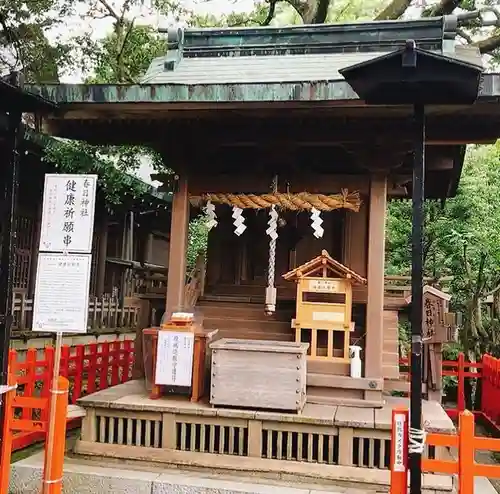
[(62, 284), (438, 325)]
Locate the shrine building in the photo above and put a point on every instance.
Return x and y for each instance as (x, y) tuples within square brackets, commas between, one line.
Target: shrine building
[(294, 172)]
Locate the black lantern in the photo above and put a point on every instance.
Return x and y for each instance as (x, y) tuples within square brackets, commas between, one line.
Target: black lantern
[(411, 76)]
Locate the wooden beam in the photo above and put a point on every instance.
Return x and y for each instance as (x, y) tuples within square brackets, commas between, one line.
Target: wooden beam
[(315, 183), (282, 127)]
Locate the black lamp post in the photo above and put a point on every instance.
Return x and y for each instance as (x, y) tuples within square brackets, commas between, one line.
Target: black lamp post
[(411, 76)]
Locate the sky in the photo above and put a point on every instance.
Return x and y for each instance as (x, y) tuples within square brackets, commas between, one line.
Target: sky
[(75, 25)]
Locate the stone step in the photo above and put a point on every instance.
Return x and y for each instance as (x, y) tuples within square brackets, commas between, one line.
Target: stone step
[(219, 475), (390, 372), (317, 396), (343, 382), (391, 346)]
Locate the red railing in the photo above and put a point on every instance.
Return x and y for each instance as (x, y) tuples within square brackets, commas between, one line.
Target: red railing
[(487, 374), (88, 368)]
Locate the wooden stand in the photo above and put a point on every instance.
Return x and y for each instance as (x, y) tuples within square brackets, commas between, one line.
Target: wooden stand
[(199, 357)]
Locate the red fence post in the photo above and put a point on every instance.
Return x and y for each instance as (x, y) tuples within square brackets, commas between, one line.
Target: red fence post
[(399, 451), (92, 373), (79, 370), (466, 453), (52, 478), (461, 382)]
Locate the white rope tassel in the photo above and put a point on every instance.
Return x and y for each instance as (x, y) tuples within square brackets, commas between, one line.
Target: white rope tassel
[(416, 441), (316, 223), (209, 210), (239, 221)]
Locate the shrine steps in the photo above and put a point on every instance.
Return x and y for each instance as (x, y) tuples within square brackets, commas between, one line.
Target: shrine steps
[(390, 356), (246, 320)]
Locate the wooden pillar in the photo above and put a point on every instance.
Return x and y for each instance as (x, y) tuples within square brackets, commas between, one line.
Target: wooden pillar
[(37, 230), (178, 247), (103, 252), (148, 247), (375, 277)]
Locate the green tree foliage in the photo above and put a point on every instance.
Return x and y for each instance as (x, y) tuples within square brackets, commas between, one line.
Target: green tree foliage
[(24, 25), (461, 239), (110, 164), (125, 60)]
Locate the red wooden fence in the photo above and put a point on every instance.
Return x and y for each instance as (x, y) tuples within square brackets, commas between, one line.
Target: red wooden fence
[(89, 368), (487, 374)]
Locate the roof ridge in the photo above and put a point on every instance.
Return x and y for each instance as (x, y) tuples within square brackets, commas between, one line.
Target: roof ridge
[(429, 33)]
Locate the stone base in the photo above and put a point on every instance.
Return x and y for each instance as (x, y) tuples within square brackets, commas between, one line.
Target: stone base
[(82, 476), (324, 444)]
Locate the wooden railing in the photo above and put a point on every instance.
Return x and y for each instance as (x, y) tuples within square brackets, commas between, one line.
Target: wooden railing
[(103, 313), (151, 284), (464, 442), (89, 368), (400, 286)]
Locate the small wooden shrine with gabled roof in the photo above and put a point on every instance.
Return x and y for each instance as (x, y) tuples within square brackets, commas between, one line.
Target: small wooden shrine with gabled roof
[(324, 307)]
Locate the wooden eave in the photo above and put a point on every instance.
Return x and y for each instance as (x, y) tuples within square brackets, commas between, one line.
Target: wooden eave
[(323, 260), (14, 98)]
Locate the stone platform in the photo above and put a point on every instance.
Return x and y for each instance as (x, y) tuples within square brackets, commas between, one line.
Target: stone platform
[(83, 476), (324, 444)]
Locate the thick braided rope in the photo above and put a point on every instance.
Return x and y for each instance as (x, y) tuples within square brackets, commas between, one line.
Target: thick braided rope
[(302, 201)]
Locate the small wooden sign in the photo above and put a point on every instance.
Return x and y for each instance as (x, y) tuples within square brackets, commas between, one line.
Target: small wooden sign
[(434, 320), (324, 286), (174, 361)]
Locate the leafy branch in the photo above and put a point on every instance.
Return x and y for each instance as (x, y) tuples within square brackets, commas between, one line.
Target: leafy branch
[(112, 165)]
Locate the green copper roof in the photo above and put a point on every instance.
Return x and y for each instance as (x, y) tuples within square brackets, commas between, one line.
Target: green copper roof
[(291, 54), (268, 64)]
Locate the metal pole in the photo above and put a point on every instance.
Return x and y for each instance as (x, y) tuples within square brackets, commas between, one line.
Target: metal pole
[(7, 258), (417, 293)]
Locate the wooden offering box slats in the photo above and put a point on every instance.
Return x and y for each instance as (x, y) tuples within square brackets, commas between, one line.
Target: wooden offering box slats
[(259, 374), (324, 307)]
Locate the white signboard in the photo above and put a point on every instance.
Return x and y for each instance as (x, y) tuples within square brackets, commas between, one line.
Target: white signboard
[(328, 316), (324, 286), (68, 213), (62, 293), (399, 443), (174, 358)]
